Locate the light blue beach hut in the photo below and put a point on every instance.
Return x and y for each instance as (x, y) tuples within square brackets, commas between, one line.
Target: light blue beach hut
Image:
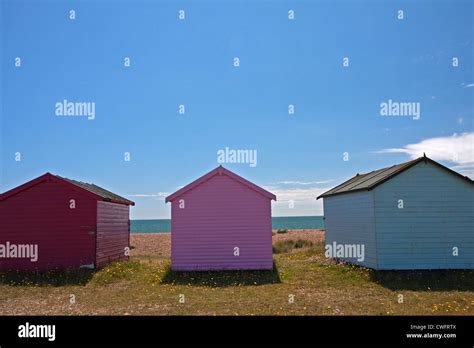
[(414, 215)]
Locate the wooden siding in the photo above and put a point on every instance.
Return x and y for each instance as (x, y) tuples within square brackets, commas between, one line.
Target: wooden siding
[(41, 215), (349, 219), (221, 214), (438, 215), (113, 232)]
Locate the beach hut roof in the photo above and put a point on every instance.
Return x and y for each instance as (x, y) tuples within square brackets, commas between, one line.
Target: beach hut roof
[(368, 181), (92, 190), (220, 171)]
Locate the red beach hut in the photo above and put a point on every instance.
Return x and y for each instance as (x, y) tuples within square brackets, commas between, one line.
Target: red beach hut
[(55, 223)]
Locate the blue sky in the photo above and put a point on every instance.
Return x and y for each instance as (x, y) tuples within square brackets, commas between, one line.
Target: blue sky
[(191, 62)]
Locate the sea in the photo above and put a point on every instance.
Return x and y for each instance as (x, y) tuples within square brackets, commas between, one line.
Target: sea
[(278, 223)]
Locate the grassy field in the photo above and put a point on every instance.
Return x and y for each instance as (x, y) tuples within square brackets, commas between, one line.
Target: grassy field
[(146, 286)]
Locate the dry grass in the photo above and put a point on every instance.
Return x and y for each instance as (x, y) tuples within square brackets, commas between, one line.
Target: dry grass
[(289, 245), (146, 286)]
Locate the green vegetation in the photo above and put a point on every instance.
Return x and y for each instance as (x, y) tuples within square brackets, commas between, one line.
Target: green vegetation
[(118, 271), (221, 278), (284, 246), (52, 278)]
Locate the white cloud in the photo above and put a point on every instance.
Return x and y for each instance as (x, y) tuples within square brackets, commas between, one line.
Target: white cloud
[(149, 195), (303, 201), (457, 149), (467, 170), (297, 198), (290, 182), (300, 194), (469, 85)]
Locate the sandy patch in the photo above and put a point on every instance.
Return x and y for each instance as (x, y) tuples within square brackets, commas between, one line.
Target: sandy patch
[(159, 244)]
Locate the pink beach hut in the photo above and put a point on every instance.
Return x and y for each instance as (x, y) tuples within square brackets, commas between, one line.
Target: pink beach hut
[(221, 222)]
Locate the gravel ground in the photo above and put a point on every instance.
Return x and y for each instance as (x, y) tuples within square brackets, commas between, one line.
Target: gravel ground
[(159, 244)]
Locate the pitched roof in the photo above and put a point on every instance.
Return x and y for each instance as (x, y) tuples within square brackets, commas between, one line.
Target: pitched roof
[(92, 190), (105, 194), (220, 171), (368, 181)]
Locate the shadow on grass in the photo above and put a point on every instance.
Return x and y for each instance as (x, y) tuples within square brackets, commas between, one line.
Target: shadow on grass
[(426, 280), (222, 278), (50, 278)]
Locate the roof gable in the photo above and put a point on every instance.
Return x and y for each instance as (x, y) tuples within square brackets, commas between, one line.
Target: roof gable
[(93, 191), (101, 192), (220, 171), (368, 181)]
